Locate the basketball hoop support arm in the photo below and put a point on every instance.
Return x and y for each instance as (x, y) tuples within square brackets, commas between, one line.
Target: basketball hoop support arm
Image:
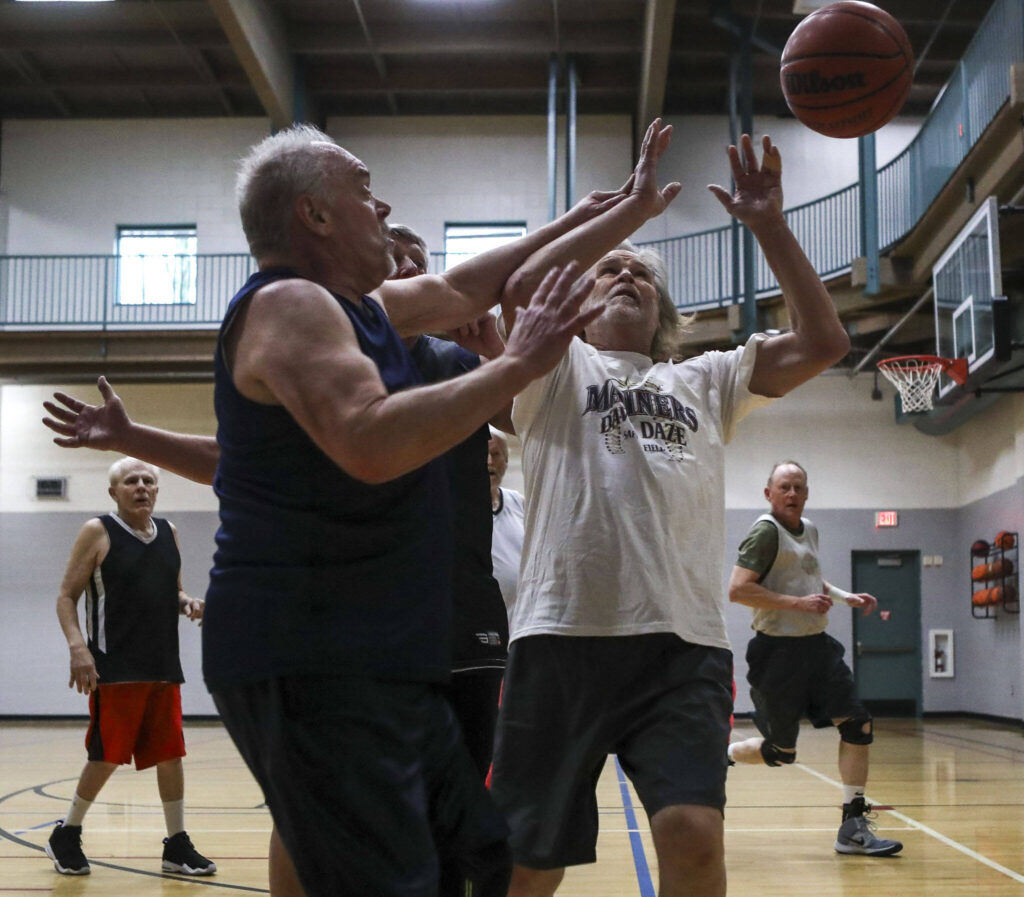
[(889, 333)]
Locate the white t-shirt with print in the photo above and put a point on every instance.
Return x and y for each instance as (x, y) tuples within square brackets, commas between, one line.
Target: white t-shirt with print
[(507, 543), (623, 463)]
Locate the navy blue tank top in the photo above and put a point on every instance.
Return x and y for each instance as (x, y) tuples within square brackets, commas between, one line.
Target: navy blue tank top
[(315, 571), (480, 637)]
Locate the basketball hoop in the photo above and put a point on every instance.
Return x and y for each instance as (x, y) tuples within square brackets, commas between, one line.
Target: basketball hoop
[(915, 376)]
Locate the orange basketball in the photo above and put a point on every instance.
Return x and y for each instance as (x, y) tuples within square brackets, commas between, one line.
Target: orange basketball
[(1005, 540), (980, 547), (847, 69), (995, 570)]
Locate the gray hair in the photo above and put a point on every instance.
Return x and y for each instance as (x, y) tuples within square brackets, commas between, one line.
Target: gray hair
[(120, 467), (271, 177), (788, 461), (672, 326), (502, 440), (407, 235)]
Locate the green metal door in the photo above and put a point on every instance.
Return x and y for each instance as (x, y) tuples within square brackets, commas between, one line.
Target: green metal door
[(887, 643)]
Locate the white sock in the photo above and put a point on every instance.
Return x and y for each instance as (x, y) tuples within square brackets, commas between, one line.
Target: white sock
[(851, 792), (76, 812), (731, 745), (174, 816)]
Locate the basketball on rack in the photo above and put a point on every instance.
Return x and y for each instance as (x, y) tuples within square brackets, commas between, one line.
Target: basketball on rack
[(847, 69), (1005, 540), (981, 547)]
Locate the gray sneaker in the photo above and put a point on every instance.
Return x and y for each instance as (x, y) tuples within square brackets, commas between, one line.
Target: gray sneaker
[(857, 835)]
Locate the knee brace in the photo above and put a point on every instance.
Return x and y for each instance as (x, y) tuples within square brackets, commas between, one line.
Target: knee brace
[(852, 730), (775, 757)]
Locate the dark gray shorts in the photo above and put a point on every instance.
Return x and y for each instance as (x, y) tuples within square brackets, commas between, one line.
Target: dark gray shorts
[(798, 676), (661, 704), (368, 782)]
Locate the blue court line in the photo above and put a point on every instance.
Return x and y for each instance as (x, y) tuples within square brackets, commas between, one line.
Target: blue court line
[(643, 873)]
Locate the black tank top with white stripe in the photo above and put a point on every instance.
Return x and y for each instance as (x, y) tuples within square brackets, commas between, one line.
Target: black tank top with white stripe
[(132, 607)]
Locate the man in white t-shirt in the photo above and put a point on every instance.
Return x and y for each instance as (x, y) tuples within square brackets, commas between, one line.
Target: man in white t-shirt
[(618, 637), (507, 531)]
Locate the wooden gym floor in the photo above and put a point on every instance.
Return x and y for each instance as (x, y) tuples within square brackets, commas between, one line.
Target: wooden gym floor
[(957, 788)]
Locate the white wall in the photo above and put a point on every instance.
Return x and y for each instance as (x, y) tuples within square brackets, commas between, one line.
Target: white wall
[(69, 184), (102, 173), (27, 450), (812, 166), (436, 170)]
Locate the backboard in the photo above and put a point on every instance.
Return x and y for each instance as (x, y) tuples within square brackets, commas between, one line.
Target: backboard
[(966, 279)]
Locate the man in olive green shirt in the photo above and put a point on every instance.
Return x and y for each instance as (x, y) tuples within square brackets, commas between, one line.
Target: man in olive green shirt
[(795, 668)]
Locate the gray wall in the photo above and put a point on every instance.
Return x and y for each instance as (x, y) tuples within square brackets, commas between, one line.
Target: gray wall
[(989, 676)]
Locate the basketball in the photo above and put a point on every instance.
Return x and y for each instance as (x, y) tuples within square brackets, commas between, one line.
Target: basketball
[(847, 69), (995, 570), (980, 547), (1005, 540)]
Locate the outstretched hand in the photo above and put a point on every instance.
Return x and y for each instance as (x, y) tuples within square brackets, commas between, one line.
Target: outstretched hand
[(758, 193), (643, 183), (81, 425), (864, 601), (544, 329)]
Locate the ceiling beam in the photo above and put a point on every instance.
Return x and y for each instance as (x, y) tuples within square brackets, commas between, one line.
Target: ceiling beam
[(257, 36), (430, 39), (659, 17), (34, 80), (135, 39)]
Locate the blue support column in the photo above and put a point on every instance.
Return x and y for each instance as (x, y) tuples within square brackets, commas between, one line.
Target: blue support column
[(869, 212), (553, 138), (746, 109), (570, 134)]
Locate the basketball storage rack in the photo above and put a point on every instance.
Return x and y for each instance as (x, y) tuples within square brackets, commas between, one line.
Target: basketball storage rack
[(1000, 591)]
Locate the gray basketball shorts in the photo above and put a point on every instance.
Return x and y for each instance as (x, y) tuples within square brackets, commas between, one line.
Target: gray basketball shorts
[(659, 703)]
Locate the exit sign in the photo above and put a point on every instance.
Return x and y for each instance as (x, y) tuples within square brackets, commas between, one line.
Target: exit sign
[(886, 518)]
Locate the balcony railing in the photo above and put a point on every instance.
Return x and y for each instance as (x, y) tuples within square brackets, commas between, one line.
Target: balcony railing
[(83, 291)]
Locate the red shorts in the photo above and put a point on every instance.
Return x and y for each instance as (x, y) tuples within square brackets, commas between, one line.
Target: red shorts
[(135, 718)]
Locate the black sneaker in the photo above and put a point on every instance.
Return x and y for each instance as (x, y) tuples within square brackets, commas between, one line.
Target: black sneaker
[(180, 856), (857, 833), (65, 849)]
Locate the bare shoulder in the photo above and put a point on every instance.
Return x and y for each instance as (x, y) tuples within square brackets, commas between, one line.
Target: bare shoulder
[(292, 298), (92, 528), (92, 538)]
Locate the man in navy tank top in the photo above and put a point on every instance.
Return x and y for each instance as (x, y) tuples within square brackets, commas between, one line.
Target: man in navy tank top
[(128, 565), (328, 623)]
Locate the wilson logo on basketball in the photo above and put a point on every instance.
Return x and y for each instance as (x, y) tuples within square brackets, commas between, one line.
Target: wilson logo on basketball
[(797, 83)]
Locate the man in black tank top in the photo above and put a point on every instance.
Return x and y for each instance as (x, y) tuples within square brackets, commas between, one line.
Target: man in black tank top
[(129, 566)]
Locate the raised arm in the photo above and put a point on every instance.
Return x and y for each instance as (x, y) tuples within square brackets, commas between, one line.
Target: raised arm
[(108, 427), (431, 303), (298, 349), (587, 243), (817, 339)]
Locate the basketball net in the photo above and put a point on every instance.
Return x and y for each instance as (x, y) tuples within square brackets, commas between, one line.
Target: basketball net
[(916, 376)]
